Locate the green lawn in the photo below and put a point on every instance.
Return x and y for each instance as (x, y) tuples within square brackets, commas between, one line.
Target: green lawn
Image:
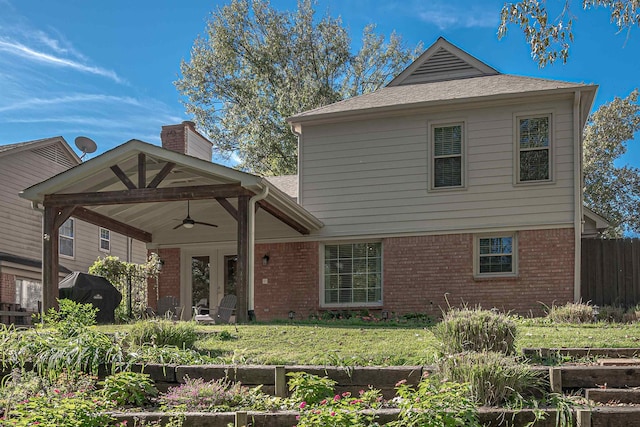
[(379, 345)]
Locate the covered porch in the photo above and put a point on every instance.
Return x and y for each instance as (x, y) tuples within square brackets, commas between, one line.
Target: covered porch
[(182, 207)]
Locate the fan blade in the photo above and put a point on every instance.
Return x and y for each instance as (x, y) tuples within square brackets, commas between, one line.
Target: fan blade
[(177, 226), (205, 223)]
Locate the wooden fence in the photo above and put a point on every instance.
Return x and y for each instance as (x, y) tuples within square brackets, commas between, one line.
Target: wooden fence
[(611, 271), (14, 314)]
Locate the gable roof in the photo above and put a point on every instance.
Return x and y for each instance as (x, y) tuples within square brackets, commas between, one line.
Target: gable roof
[(54, 148), (442, 61), (444, 75)]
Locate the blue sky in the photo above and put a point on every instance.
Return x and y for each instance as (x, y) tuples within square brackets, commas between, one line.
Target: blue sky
[(106, 69)]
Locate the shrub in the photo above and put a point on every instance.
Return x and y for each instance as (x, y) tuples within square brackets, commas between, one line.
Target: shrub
[(342, 410), (198, 395), (70, 318), (493, 378), (309, 388), (611, 313), (476, 330), (434, 403), (59, 411), (163, 333), (129, 388), (572, 313)]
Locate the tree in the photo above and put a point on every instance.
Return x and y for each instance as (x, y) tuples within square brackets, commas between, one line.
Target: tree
[(613, 191), (256, 66), (550, 39)]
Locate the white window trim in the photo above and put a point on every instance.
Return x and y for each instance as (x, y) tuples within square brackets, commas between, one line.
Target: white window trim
[(353, 304), (73, 241), (100, 239), (476, 255), (516, 145), (431, 154)]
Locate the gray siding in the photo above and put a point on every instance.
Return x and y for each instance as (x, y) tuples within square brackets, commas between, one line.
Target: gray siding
[(371, 176), (21, 226)]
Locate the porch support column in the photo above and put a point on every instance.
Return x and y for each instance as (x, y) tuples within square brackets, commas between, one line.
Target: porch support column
[(49, 259), (242, 273)]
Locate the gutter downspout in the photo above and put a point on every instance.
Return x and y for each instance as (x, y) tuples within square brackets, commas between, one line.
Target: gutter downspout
[(252, 240), (578, 197)]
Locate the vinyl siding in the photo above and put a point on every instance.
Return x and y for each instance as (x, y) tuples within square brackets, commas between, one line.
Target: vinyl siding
[(372, 176), (21, 226)]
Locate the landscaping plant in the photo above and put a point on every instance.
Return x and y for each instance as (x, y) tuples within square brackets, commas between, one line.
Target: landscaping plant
[(163, 333), (309, 388), (129, 388), (572, 313), (199, 395), (341, 410), (467, 329)]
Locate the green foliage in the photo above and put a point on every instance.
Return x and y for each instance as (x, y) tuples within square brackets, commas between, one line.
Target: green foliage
[(476, 330), (255, 66), (341, 410), (198, 395), (434, 404), (119, 273), (163, 333), (128, 388), (572, 313), (166, 355), (612, 190), (550, 39), (493, 378), (59, 411), (309, 388), (71, 318)]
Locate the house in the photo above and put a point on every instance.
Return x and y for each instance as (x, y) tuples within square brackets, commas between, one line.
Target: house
[(22, 165), (454, 184)]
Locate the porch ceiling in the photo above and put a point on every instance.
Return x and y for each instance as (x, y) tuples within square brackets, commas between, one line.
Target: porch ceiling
[(117, 173)]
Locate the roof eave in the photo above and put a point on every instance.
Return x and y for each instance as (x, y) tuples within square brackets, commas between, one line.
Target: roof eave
[(290, 207)]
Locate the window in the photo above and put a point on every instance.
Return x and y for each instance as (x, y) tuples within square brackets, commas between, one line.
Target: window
[(28, 293), (353, 274), (105, 240), (66, 238), (534, 148), (495, 255), (447, 151)]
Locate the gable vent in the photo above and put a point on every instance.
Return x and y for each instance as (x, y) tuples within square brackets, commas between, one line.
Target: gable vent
[(55, 154), (442, 65)]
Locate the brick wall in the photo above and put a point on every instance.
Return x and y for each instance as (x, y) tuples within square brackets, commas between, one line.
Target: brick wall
[(419, 271), (292, 275), (7, 288), (169, 277), (174, 137)]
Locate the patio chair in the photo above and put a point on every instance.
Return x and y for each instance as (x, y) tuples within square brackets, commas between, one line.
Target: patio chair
[(169, 308), (223, 313)]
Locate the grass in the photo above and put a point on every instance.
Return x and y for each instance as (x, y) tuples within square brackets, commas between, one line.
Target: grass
[(348, 345)]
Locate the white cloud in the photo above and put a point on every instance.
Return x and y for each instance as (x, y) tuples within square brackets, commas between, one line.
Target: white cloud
[(75, 98), (26, 52), (446, 16)]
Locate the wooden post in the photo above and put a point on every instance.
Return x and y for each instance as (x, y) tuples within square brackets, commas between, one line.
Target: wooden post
[(583, 418), (555, 379), (242, 272), (241, 419), (280, 382), (49, 259)]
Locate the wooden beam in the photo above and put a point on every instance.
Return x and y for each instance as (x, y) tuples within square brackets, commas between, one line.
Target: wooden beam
[(228, 207), (123, 177), (142, 170), (242, 267), (161, 175), (143, 195), (49, 259), (113, 225), (62, 215), (282, 217)]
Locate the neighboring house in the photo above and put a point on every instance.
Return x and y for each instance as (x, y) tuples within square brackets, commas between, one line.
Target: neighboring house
[(455, 184), (24, 164)]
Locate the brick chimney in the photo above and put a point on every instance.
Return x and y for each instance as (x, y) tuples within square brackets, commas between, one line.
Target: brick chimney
[(185, 139)]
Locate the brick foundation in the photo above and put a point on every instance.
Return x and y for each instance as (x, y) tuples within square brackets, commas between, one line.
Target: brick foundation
[(169, 277), (292, 274), (7, 288)]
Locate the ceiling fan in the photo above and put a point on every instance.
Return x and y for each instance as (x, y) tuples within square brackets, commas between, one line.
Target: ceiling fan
[(188, 222)]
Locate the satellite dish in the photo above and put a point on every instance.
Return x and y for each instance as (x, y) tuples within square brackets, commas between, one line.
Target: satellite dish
[(86, 145)]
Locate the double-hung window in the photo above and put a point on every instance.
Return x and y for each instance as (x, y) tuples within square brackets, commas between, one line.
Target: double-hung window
[(66, 238), (352, 274), (496, 255), (447, 158), (534, 148), (105, 240)]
